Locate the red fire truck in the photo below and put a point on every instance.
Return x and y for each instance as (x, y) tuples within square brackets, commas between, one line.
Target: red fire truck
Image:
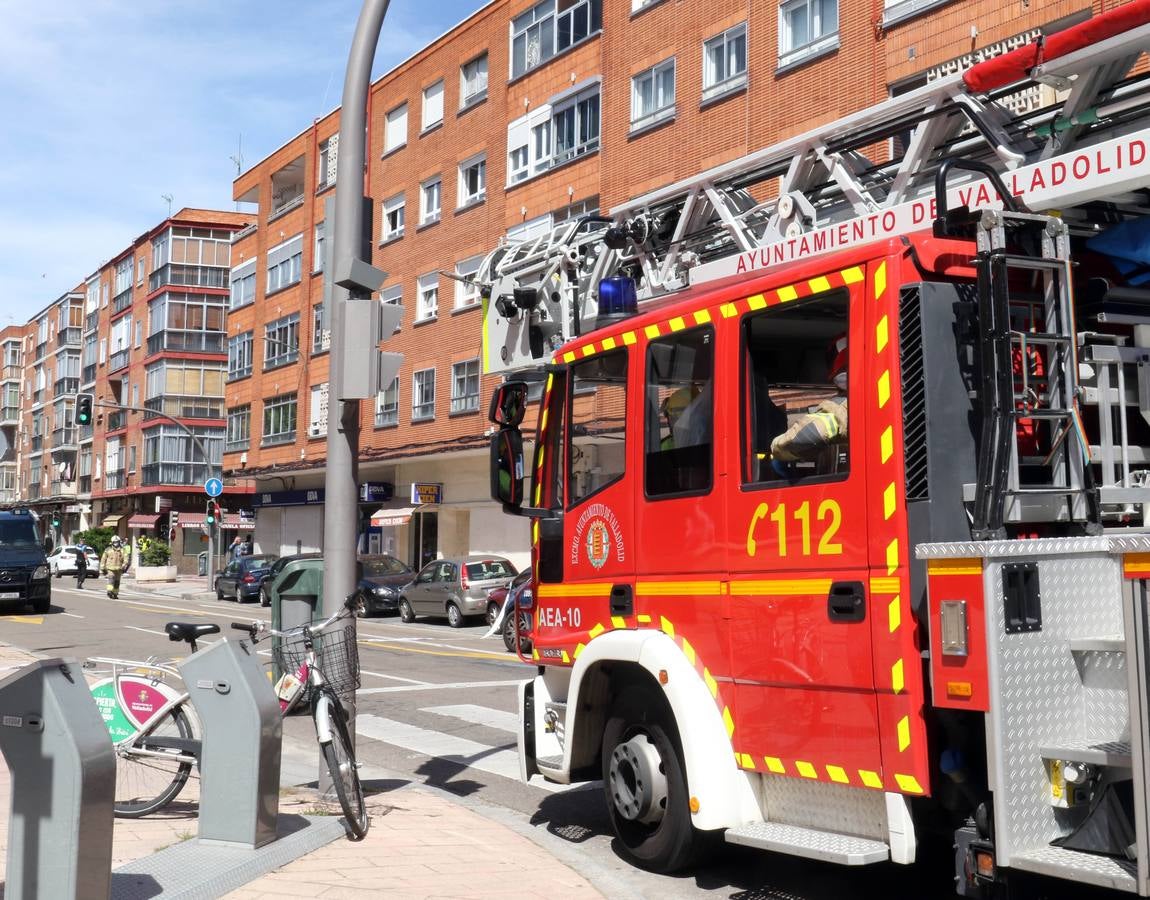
[(829, 617)]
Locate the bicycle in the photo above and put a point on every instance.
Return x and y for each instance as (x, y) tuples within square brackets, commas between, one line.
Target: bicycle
[(318, 662), (152, 727)]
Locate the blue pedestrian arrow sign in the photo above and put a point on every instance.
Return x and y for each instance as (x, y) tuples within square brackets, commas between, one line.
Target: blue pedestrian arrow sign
[(213, 487)]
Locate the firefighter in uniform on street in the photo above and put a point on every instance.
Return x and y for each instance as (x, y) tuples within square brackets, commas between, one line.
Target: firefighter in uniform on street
[(112, 564), (822, 428)]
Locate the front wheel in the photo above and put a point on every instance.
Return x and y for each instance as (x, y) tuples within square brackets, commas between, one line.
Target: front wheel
[(645, 784), (340, 760), (152, 771)]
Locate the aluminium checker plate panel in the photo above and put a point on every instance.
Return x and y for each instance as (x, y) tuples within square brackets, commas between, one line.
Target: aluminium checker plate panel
[(833, 808)]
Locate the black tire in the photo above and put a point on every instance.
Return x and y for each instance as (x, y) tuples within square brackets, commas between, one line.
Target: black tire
[(146, 784), (219, 594), (406, 613), (660, 836), (340, 760), (454, 615), (265, 598), (42, 606), (493, 612)]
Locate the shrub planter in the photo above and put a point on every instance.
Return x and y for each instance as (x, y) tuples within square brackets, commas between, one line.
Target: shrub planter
[(156, 573)]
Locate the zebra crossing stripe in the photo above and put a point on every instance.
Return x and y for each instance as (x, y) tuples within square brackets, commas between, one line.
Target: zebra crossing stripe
[(479, 715)]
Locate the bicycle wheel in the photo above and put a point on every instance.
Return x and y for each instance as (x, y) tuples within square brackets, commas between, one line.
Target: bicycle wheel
[(147, 783), (340, 761)]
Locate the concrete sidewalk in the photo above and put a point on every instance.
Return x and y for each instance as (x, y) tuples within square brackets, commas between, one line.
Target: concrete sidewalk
[(421, 844)]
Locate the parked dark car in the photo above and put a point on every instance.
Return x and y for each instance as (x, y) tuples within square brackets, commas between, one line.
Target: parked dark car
[(274, 569), (455, 587), (382, 580), (241, 579), (26, 578)]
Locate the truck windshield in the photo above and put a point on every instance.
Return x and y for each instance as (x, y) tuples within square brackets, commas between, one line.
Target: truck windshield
[(18, 534)]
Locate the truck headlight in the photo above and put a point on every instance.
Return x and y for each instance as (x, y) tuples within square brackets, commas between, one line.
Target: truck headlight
[(41, 572)]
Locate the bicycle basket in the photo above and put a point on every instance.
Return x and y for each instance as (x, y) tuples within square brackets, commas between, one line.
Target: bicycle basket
[(337, 657)]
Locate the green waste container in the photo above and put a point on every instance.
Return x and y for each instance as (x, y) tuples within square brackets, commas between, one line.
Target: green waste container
[(297, 597)]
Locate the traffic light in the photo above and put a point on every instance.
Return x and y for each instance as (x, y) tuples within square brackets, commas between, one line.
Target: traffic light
[(83, 409), (210, 520), (55, 520), (173, 524)]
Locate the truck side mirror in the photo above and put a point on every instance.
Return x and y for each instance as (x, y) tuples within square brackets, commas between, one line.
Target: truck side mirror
[(508, 404), (507, 467)]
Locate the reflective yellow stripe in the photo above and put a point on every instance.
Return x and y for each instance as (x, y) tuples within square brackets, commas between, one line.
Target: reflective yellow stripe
[(596, 631), (897, 682), (884, 389), (677, 588), (591, 589), (889, 501), (775, 764), (853, 275), (870, 779), (838, 774), (688, 651), (652, 331), (886, 443), (677, 323), (666, 627), (881, 334), (903, 733), (954, 566), (618, 622), (757, 302), (728, 310), (908, 784), (894, 614), (569, 356), (628, 338), (806, 769), (608, 343), (885, 586), (880, 280), (702, 317), (709, 681), (787, 294), (892, 557), (781, 587), (728, 721)]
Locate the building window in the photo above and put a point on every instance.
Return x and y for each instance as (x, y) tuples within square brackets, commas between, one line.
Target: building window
[(428, 305), (653, 95), (317, 249), (328, 156), (317, 411), (472, 181), (320, 336), (281, 341), (394, 215), (394, 296), (806, 29), (240, 356), (467, 292), (473, 81), (552, 135), (183, 388), (395, 132), (284, 263), (430, 200), (433, 105), (725, 62), (544, 31), (243, 284), (239, 428), (279, 420), (465, 386), (423, 395), (387, 405)]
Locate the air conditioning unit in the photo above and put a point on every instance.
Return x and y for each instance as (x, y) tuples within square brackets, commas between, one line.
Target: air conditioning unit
[(316, 429)]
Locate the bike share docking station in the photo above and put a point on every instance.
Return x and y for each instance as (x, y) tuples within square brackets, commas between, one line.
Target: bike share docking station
[(242, 734), (63, 773)]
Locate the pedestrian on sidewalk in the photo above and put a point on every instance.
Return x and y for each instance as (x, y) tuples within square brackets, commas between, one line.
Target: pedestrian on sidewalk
[(236, 550), (112, 564), (81, 564)]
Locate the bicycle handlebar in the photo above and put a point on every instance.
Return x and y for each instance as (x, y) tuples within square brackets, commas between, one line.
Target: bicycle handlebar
[(257, 628)]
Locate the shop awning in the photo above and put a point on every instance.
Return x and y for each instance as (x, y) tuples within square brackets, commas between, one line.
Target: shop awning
[(391, 515), (111, 521), (143, 520), (192, 519), (234, 522)]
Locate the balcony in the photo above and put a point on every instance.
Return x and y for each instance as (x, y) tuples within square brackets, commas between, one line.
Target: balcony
[(119, 360), (13, 373), (115, 479), (117, 420), (62, 489), (64, 386), (285, 206), (63, 437), (68, 337), (178, 473), (187, 342), (122, 301), (10, 415), (185, 407), (88, 376), (188, 276)]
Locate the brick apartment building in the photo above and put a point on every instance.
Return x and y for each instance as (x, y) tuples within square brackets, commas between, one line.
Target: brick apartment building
[(520, 117), (11, 382)]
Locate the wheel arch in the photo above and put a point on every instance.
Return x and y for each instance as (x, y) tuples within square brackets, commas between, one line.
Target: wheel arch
[(651, 660)]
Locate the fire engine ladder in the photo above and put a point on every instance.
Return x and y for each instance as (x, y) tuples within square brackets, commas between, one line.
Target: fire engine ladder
[(541, 293), (1028, 366)]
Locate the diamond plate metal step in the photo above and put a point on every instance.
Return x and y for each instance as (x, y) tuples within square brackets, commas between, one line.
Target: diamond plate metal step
[(1107, 753), (550, 762), (809, 843), (1088, 868), (202, 871)]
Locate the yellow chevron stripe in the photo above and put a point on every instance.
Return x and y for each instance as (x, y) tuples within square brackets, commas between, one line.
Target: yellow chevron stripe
[(757, 302), (787, 294), (903, 733), (889, 501), (775, 764), (652, 331), (728, 310), (677, 323), (806, 769), (884, 389), (908, 784), (886, 443), (897, 682), (702, 317), (892, 557), (609, 343), (819, 285), (838, 774), (596, 631), (870, 779), (728, 721), (589, 350), (618, 622), (853, 275), (894, 614), (629, 338), (688, 651), (881, 334), (880, 280)]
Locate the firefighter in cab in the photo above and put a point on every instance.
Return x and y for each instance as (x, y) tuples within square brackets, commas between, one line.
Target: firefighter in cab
[(814, 433)]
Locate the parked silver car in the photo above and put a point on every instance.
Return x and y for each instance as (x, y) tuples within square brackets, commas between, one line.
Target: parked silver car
[(455, 587)]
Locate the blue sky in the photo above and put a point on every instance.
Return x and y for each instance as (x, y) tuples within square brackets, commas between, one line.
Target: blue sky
[(108, 105)]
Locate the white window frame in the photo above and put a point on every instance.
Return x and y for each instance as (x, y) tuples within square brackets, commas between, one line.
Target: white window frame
[(284, 408), (478, 165), (394, 296), (431, 187), (662, 105), (427, 302), (531, 139), (473, 83), (394, 205), (241, 355), (387, 405), (823, 37), (243, 284), (464, 376), (317, 410), (717, 83), (545, 33), (317, 248), (395, 129), (423, 395), (285, 264), (328, 160), (281, 341), (238, 434), (467, 294), (432, 105), (320, 336)]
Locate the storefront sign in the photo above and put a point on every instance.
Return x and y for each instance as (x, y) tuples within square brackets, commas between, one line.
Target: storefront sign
[(288, 498), (423, 494), (376, 491)]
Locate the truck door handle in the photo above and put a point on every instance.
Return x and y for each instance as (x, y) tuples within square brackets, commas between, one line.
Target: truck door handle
[(846, 602), (622, 600)]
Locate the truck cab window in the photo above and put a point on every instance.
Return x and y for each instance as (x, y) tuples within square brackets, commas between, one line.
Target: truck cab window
[(796, 392), (678, 439), (598, 404)]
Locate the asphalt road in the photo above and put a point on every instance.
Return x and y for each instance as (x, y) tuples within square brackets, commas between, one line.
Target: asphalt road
[(437, 706)]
